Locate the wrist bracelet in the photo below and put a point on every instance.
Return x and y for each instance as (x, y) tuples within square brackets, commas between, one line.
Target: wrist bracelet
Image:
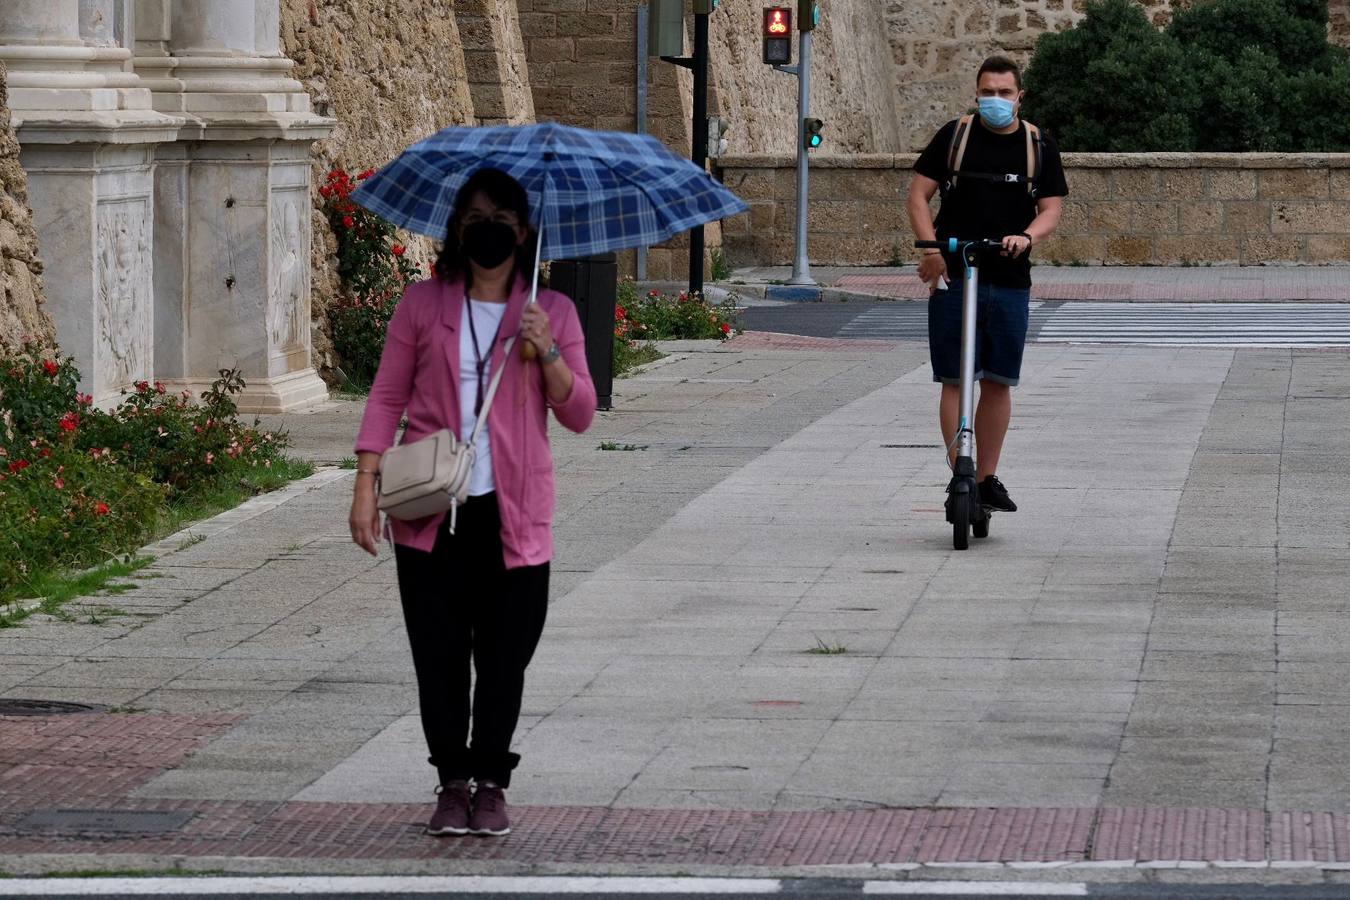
[(932, 251), (1027, 236), (367, 471)]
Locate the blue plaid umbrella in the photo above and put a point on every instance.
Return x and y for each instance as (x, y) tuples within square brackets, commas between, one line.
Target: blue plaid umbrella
[(590, 191)]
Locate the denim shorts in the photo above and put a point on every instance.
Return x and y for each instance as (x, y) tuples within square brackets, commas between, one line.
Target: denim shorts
[(1000, 333)]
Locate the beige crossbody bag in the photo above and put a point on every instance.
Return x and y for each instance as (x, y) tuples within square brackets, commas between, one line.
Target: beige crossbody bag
[(431, 475)]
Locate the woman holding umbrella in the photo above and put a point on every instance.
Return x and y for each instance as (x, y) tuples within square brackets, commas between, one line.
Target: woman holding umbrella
[(476, 591)]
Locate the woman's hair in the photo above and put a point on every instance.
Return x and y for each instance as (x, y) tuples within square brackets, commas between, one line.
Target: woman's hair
[(504, 192)]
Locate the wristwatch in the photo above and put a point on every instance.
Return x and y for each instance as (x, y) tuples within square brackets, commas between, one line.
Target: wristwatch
[(553, 353)]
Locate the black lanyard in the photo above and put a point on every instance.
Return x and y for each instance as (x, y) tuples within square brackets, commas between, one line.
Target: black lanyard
[(479, 362)]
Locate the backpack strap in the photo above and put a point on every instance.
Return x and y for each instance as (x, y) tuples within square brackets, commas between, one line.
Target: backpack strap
[(1033, 157), (956, 150)]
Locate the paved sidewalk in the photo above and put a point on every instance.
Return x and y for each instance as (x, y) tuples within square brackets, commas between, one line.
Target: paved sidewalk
[(1143, 666)]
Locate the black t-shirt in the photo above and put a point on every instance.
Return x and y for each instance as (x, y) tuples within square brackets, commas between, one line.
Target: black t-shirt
[(983, 208)]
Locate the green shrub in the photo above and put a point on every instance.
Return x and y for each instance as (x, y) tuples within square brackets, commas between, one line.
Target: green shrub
[(1226, 75), (78, 485), (374, 269)]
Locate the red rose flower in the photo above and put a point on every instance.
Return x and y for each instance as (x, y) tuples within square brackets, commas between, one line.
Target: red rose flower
[(159, 387), (366, 174), (142, 387), (59, 483), (50, 367), (101, 508), (326, 191), (398, 250), (348, 221), (84, 399), (726, 329), (18, 466), (69, 422)]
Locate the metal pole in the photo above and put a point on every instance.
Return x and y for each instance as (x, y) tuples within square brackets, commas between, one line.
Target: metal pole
[(700, 155), (643, 12), (801, 266)]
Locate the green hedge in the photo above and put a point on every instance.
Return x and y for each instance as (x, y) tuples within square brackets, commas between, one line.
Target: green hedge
[(1224, 76)]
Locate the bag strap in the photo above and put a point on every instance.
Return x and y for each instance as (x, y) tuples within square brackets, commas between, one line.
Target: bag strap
[(492, 391), (956, 151), (1033, 157)]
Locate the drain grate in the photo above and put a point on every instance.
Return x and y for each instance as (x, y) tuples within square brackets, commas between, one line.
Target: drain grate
[(103, 821), (13, 706)]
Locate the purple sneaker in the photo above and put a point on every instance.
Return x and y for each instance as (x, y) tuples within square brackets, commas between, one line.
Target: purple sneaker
[(452, 809), (488, 818)]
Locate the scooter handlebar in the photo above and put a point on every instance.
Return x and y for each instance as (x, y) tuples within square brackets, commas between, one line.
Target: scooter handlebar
[(954, 245)]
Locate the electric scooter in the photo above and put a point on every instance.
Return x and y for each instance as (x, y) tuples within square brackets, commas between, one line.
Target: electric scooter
[(965, 512)]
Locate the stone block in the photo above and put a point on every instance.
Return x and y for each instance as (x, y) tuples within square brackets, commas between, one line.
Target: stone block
[(1293, 184), (737, 224), (560, 6), (1134, 184), (785, 185), (1073, 248), (1128, 251), (604, 100), (762, 216), (841, 250), (579, 74), (1181, 184), (883, 217), (1089, 184), (1191, 249), (1246, 216), (1310, 216), (1202, 216), (602, 49), (833, 217), (1264, 249), (1153, 217), (548, 49), (538, 25), (1230, 184), (1328, 248), (750, 184), (584, 24), (1340, 184)]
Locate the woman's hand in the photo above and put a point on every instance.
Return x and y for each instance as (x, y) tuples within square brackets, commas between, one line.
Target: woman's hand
[(535, 327), (364, 520), (932, 266)]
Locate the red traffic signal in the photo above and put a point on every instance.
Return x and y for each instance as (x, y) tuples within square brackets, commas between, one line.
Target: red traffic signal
[(777, 35), (777, 21)]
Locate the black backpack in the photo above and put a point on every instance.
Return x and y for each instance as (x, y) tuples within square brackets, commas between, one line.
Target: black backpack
[(956, 151)]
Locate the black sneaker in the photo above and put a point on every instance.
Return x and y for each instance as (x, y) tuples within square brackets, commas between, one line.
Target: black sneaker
[(995, 496)]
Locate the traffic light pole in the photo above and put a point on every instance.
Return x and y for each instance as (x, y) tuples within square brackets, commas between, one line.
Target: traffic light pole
[(801, 266), (700, 141), (698, 64)]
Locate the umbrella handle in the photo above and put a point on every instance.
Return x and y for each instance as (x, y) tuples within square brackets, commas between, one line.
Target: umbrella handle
[(528, 350)]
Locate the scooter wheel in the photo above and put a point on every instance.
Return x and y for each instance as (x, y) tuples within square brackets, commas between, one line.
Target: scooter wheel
[(980, 527), (961, 516)]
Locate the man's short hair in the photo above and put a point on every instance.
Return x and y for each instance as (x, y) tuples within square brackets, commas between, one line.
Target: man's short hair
[(999, 65)]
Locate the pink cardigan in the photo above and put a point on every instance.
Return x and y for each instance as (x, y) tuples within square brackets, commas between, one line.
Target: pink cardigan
[(419, 374)]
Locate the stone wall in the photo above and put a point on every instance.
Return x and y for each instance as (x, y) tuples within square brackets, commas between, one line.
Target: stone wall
[(938, 45), (21, 310), (391, 72), (1124, 209)]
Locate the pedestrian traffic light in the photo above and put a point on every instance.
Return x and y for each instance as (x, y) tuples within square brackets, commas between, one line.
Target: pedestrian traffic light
[(717, 141), (808, 14), (811, 138), (665, 28), (777, 35)]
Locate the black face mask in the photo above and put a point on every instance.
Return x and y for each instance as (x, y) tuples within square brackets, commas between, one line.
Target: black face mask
[(489, 243)]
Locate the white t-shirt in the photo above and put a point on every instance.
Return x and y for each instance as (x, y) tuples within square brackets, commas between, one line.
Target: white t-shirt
[(487, 317)]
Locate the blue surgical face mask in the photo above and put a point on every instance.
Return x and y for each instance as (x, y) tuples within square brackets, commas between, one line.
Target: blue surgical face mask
[(997, 112)]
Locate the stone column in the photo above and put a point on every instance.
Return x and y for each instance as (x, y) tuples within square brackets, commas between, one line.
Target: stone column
[(234, 244), (87, 136)]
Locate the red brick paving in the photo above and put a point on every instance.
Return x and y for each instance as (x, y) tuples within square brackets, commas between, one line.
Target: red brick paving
[(94, 761)]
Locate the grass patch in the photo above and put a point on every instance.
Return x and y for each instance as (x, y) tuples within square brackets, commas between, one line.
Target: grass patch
[(628, 358), (57, 589), (823, 649), (347, 462), (611, 445), (227, 496)]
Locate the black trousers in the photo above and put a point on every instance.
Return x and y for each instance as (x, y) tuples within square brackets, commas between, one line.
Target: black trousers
[(461, 604)]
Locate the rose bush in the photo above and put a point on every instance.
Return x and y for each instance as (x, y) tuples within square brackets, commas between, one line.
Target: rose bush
[(78, 484), (374, 268)]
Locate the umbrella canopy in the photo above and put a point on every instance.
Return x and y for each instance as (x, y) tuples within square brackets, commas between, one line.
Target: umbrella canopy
[(590, 191)]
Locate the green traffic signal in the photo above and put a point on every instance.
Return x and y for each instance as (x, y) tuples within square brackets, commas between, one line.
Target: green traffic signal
[(811, 137)]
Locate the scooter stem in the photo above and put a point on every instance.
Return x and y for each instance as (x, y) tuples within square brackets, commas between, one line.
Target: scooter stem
[(965, 444)]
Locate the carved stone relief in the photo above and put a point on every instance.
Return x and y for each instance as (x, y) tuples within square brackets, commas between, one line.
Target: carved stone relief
[(124, 315), (288, 305)]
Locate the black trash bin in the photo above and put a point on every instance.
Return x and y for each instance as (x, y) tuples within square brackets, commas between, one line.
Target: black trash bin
[(593, 285)]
